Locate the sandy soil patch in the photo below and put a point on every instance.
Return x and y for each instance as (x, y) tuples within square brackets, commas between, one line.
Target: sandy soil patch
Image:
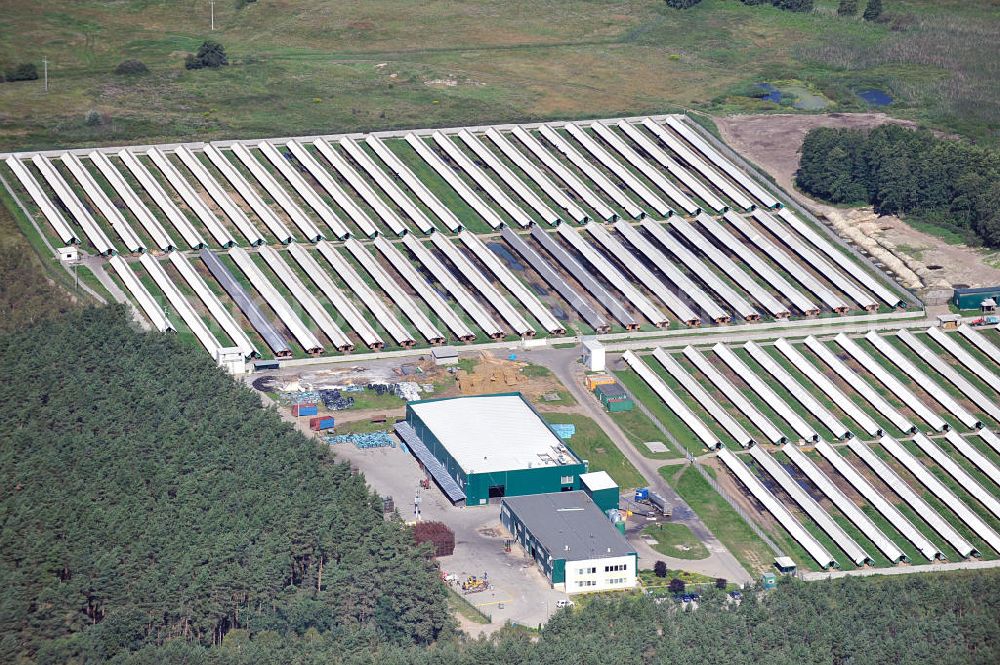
[(919, 260)]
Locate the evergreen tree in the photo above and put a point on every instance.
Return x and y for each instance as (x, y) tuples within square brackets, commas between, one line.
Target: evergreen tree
[(847, 8), (681, 4), (794, 5), (210, 54), (872, 10)]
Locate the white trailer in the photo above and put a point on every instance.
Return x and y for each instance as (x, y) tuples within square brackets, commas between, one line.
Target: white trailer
[(620, 171), (423, 289), (95, 234), (253, 199), (509, 178), (765, 392), (511, 283), (132, 200), (776, 254), (536, 174), (483, 181), (610, 272), (939, 490), (920, 379), (340, 302), (844, 504), (643, 274), (734, 395), (672, 272), (696, 186), (652, 174), (733, 171), (391, 189), (364, 190), (416, 186), (675, 403), (821, 381), (891, 382), (705, 400), (694, 161), (156, 192), (739, 304), (886, 508), (214, 305), (892, 480), (181, 305), (444, 277), (798, 391), (810, 507), (333, 188), (141, 294), (860, 386), (585, 167), (365, 294), (221, 198), (49, 211), (306, 299), (758, 265), (777, 509), (191, 198), (97, 196), (277, 303), (471, 273)]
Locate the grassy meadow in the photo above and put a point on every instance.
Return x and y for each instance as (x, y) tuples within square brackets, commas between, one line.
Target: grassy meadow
[(305, 66)]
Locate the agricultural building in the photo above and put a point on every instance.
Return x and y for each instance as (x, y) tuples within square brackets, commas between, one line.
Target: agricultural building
[(974, 298), (486, 447), (601, 488), (573, 542)]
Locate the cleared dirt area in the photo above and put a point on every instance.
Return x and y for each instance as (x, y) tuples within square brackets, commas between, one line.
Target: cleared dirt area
[(920, 261)]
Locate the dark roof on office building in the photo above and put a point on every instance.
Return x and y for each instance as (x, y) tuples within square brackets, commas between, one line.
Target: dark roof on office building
[(569, 525)]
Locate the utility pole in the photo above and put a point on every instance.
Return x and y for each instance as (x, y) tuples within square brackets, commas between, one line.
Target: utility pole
[(45, 68), (213, 13)]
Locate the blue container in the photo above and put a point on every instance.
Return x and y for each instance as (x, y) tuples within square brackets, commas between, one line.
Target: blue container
[(307, 410)]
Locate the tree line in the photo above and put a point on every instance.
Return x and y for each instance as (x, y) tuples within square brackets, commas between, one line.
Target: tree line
[(901, 171), (873, 8)]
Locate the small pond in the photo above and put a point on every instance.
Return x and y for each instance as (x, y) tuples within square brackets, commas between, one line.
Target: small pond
[(875, 97), (769, 93)]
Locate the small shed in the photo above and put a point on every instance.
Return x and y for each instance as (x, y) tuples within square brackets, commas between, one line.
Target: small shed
[(974, 297), (785, 565), (988, 306), (69, 254), (445, 355), (601, 488), (769, 580), (593, 355), (949, 321), (231, 359)]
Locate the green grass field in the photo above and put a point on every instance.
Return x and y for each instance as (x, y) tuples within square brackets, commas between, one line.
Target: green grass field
[(305, 66), (591, 443), (675, 540)]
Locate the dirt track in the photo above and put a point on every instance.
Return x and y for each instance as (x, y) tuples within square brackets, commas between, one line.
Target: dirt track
[(919, 260)]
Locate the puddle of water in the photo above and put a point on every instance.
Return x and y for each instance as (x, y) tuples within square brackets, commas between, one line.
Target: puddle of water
[(504, 253), (875, 97), (769, 93)]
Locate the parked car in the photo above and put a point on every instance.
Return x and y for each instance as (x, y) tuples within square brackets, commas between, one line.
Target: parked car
[(735, 595)]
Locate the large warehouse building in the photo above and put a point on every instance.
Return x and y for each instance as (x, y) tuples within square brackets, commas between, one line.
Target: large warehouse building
[(576, 546), (487, 447)]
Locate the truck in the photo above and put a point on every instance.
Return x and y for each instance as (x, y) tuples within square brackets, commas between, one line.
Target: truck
[(660, 504), (991, 320)]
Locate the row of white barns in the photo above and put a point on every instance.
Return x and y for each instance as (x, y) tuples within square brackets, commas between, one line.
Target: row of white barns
[(884, 444)]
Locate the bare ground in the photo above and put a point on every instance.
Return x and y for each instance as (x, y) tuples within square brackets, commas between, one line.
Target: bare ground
[(919, 260)]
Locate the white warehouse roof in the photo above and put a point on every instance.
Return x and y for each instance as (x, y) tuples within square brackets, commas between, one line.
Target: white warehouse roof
[(489, 433), (598, 480)]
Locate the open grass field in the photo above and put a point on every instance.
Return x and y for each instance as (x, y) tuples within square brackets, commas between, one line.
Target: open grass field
[(676, 540), (305, 66), (591, 443)]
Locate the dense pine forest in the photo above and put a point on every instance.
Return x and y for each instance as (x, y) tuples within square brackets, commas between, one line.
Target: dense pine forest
[(153, 512), (944, 183)]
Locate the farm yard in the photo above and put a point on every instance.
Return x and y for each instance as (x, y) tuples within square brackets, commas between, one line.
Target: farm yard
[(875, 449), (319, 246)]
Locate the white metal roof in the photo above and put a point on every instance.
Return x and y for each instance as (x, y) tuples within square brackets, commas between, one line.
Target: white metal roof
[(598, 480), (491, 433)]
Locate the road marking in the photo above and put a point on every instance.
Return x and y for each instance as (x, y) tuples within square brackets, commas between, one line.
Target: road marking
[(494, 602)]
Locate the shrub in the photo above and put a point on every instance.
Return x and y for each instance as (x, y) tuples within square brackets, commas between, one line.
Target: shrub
[(26, 71), (131, 68), (872, 10), (660, 569), (721, 582), (211, 54), (676, 585), (92, 118), (847, 8), (681, 4)]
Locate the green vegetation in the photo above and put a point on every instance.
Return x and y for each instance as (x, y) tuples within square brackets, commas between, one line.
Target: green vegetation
[(150, 498), (590, 442), (943, 183), (640, 429), (675, 540), (461, 605), (719, 517), (450, 63), (536, 371), (210, 55)]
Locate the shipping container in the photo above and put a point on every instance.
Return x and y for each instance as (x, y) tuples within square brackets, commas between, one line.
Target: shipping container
[(318, 423), (304, 410), (607, 391), (594, 380), (619, 406)]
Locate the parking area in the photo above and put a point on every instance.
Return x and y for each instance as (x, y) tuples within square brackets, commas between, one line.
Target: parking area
[(518, 591)]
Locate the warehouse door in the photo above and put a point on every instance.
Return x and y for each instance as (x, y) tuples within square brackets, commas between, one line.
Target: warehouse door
[(498, 491)]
